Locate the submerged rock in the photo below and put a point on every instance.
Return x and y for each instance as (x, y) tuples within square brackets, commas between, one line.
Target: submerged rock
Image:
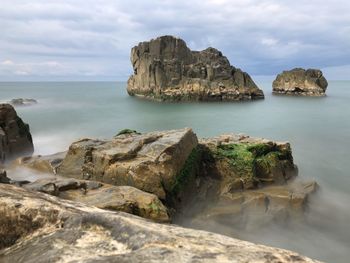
[(151, 162), (23, 102), (118, 198), (166, 69), (15, 137), (37, 228), (44, 164), (299, 81)]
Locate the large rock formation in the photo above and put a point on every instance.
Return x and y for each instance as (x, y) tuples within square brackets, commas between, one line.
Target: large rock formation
[(118, 198), (15, 137), (38, 228), (299, 81), (166, 69), (151, 162)]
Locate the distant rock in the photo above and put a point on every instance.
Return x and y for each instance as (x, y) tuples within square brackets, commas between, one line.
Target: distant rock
[(166, 69), (23, 102), (118, 198), (38, 228), (15, 137), (299, 81)]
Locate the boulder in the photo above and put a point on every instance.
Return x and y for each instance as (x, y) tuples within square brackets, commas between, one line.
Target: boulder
[(166, 69), (15, 137), (299, 81), (153, 162), (246, 182), (118, 198), (38, 228), (23, 102)]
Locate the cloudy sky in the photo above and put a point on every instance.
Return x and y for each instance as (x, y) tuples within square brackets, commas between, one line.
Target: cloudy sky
[(91, 39)]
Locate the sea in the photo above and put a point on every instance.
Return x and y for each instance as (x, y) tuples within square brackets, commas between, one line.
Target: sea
[(318, 129)]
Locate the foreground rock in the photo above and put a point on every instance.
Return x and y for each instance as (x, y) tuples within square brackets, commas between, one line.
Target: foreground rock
[(37, 228), (166, 69), (151, 162), (15, 137), (221, 177), (118, 198), (299, 81), (23, 102)]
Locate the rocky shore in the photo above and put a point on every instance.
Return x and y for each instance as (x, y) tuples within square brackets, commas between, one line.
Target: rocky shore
[(109, 196), (301, 82), (166, 69)]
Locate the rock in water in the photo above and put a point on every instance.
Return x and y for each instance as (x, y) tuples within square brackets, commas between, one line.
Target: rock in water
[(166, 69), (38, 228), (23, 102), (15, 137), (299, 81)]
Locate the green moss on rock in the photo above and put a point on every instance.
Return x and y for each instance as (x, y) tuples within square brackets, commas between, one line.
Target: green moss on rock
[(251, 160)]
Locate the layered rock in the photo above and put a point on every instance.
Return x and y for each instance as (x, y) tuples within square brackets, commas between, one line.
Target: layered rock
[(118, 198), (37, 228), (166, 69), (299, 81), (151, 162), (15, 137)]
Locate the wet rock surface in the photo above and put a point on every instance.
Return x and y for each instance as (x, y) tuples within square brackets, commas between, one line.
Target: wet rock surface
[(166, 69), (36, 227), (298, 81)]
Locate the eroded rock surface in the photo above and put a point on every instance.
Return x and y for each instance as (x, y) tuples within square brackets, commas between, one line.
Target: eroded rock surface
[(118, 198), (15, 137), (299, 81), (37, 228), (151, 162), (166, 69)]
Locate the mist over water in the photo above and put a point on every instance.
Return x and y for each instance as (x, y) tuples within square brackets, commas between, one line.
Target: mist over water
[(317, 128)]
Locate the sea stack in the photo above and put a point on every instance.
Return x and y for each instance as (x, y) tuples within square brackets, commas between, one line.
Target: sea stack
[(165, 69), (298, 81), (15, 137)]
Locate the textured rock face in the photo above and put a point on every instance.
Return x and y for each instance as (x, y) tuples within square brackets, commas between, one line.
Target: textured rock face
[(166, 69), (299, 81), (15, 137), (118, 198), (151, 162), (37, 228)]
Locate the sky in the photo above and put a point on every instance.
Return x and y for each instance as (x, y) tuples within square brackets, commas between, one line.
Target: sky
[(92, 39)]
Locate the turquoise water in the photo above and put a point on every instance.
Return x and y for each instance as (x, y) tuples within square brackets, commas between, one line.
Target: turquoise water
[(317, 128)]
